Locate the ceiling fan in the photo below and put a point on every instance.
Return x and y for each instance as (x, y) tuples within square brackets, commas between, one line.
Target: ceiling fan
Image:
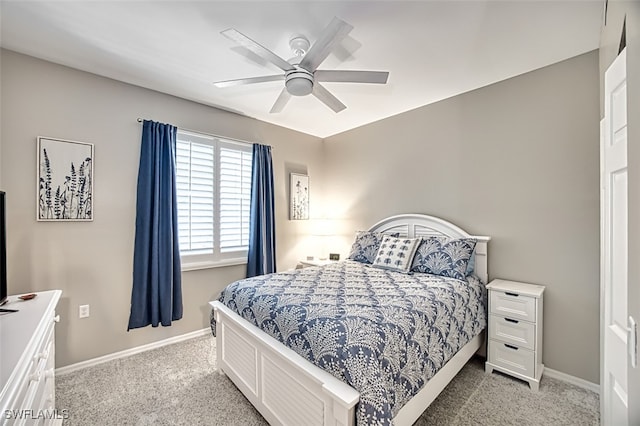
[(301, 74)]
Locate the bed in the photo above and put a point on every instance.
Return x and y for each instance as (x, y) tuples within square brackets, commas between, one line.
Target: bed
[(331, 348)]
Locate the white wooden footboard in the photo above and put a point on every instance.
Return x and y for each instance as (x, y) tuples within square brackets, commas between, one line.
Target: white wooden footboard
[(284, 387), (288, 390)]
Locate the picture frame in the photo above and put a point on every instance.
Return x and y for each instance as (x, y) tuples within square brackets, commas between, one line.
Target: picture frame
[(64, 180), (299, 197)]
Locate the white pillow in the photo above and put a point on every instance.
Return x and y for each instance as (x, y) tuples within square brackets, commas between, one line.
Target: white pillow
[(396, 253)]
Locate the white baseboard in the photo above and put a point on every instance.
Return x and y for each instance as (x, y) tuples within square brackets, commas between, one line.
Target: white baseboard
[(554, 374), (128, 352)]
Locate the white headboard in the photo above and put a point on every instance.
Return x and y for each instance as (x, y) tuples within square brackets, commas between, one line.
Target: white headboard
[(421, 225)]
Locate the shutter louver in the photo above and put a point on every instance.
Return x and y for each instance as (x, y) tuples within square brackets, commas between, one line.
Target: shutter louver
[(195, 182), (235, 194)]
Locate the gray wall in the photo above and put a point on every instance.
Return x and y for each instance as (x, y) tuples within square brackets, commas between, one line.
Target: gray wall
[(517, 160), (91, 262), (617, 11)]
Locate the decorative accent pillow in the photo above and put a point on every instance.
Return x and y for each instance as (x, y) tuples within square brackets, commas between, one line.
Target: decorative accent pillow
[(396, 253), (365, 247), (444, 256)]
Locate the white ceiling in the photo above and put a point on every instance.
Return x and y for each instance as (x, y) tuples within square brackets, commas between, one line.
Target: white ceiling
[(432, 49)]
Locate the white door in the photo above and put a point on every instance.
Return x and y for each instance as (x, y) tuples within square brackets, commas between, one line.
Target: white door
[(614, 245)]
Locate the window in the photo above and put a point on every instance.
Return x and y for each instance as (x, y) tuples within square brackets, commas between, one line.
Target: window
[(213, 176)]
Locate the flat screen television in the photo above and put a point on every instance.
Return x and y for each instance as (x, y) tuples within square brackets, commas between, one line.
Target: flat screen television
[(3, 250)]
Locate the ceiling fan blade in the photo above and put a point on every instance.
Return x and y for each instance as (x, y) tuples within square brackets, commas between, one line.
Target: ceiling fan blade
[(334, 33), (344, 76), (281, 101), (250, 80), (327, 98), (257, 48)]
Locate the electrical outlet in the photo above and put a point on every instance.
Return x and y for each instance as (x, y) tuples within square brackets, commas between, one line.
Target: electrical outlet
[(83, 311)]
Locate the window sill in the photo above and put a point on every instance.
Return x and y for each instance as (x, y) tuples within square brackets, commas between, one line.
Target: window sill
[(195, 266)]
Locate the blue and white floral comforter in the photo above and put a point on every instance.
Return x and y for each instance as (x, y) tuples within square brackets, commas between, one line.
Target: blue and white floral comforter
[(384, 333)]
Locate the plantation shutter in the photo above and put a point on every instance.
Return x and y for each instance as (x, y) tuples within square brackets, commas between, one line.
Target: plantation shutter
[(213, 177), (195, 161), (235, 196)]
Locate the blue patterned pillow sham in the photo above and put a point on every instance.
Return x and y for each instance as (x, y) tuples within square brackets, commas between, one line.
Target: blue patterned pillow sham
[(444, 256), (366, 245), (471, 266), (395, 253)]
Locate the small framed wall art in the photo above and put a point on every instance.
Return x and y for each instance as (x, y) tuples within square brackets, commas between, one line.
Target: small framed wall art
[(299, 194), (65, 180)]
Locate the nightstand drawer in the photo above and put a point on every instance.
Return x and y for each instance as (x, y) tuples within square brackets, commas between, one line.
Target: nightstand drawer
[(513, 305), (512, 331), (512, 358)]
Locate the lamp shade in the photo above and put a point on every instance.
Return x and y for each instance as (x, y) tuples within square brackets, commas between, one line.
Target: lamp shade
[(323, 227)]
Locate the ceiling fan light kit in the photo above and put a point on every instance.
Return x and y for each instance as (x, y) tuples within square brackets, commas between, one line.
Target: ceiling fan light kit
[(300, 77), (299, 82)]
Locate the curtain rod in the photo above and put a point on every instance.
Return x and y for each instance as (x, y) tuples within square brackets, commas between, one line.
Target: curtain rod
[(140, 120)]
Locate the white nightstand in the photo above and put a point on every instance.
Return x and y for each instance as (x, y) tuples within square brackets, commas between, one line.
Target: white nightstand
[(315, 262), (515, 330)]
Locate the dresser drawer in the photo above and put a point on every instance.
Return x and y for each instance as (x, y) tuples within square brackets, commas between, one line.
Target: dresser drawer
[(512, 358), (45, 398), (515, 332), (513, 305), (43, 347)]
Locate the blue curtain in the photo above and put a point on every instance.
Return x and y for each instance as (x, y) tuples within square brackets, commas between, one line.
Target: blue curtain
[(262, 226), (156, 297)]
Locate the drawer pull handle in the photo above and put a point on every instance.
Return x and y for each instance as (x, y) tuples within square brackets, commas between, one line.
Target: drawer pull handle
[(511, 347), (508, 293), (512, 320), (41, 355)]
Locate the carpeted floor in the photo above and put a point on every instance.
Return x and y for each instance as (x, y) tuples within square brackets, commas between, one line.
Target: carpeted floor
[(179, 385)]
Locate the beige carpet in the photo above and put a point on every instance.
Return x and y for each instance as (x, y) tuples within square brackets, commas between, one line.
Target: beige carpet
[(179, 385)]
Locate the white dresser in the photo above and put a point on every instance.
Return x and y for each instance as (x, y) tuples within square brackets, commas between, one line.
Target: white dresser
[(515, 330), (27, 355)]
